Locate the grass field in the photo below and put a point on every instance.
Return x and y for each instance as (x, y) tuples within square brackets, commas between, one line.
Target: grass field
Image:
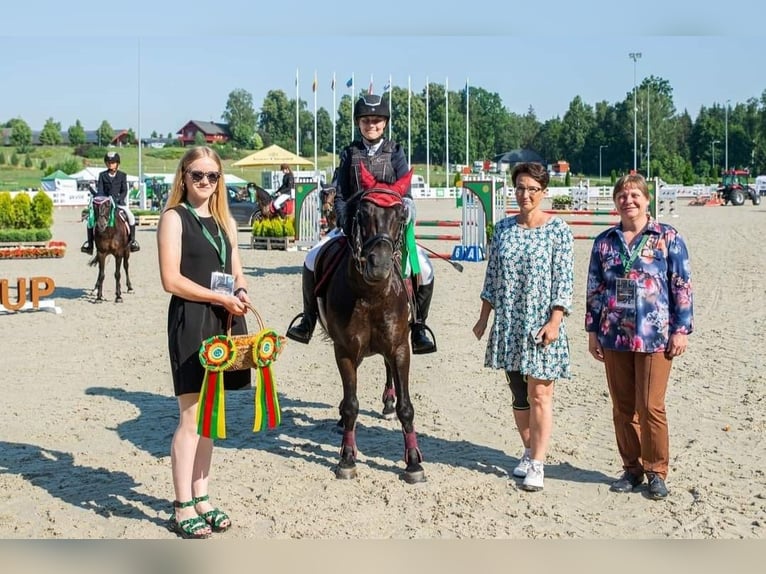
[(20, 177)]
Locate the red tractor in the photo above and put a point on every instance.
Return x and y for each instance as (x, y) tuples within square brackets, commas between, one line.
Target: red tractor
[(735, 187)]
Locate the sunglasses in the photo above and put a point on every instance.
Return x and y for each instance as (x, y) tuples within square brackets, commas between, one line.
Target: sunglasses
[(198, 176)]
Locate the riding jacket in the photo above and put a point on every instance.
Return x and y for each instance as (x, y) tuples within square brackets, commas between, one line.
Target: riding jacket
[(288, 183), (386, 161), (115, 186)]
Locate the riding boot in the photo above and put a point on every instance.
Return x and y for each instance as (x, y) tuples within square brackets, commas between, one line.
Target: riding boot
[(421, 342), (87, 247), (134, 246), (303, 331)]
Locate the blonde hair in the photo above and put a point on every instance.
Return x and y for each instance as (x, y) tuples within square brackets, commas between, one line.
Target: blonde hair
[(218, 202)]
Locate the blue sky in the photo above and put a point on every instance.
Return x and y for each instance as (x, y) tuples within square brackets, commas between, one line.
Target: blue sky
[(168, 62)]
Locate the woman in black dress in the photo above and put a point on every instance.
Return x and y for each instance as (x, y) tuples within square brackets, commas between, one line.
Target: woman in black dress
[(196, 239)]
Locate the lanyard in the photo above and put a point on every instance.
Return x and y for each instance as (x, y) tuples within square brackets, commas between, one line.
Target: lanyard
[(221, 252), (626, 266)]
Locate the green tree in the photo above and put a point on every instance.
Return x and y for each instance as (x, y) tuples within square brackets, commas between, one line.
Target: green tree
[(7, 213), (199, 139), (276, 122), (241, 117), (76, 134), (51, 133), (42, 211), (28, 162), (21, 134), (105, 133), (131, 138)]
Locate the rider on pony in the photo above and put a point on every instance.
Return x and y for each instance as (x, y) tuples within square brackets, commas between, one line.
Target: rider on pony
[(386, 161), (113, 183)]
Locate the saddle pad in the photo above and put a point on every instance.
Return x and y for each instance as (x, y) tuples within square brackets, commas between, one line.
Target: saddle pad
[(327, 261)]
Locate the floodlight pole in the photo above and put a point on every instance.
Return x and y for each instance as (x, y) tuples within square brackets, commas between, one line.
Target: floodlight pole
[(635, 56)]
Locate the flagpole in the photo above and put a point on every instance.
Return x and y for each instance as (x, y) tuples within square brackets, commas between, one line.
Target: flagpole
[(428, 142), (467, 128), (446, 123), (352, 107), (409, 121), (371, 90), (391, 106), (334, 117), (316, 164), (297, 116)]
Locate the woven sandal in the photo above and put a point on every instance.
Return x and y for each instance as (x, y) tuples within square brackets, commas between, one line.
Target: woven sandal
[(218, 520), (191, 528)]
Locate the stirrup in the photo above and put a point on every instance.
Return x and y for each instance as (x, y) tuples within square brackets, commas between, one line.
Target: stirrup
[(134, 246), (419, 327), (300, 337)]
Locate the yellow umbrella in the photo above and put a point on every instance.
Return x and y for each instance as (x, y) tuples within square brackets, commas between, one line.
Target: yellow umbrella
[(272, 155)]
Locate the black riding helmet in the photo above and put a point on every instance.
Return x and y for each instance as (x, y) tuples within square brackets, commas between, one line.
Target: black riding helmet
[(112, 156), (372, 105)]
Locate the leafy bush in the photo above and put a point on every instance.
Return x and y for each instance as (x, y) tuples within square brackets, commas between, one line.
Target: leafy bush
[(22, 207), (69, 165), (7, 212), (562, 202), (167, 153), (275, 227), (42, 211), (19, 235), (43, 165), (2, 158), (28, 162), (14, 159)]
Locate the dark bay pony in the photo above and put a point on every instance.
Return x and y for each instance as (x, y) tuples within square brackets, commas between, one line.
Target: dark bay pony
[(112, 237), (265, 202), (364, 308)]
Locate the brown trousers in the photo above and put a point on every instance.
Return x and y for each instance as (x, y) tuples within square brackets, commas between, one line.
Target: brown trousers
[(637, 384)]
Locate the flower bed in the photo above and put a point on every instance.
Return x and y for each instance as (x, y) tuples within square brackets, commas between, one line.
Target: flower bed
[(32, 250)]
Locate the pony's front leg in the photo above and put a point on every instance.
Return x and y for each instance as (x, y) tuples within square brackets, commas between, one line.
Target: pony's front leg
[(349, 410), (389, 395), (117, 289), (100, 278), (127, 275), (412, 456)]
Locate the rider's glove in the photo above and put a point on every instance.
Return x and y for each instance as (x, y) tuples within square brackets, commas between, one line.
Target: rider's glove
[(409, 209)]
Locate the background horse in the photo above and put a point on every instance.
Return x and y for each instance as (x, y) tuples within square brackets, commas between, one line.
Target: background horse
[(112, 237), (265, 202), (364, 308), (327, 196)]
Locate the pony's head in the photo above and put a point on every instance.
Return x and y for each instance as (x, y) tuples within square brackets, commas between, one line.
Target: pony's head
[(378, 224), (103, 208), (327, 196)]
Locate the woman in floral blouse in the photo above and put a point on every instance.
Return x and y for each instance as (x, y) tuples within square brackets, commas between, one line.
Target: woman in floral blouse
[(528, 284), (638, 315)]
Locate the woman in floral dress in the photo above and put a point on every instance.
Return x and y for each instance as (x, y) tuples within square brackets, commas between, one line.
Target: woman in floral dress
[(528, 285)]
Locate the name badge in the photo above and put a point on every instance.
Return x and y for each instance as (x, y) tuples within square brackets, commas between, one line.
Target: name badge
[(222, 283), (625, 293)]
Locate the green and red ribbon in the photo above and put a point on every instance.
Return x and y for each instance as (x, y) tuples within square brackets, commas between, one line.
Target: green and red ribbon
[(216, 354), (266, 349)]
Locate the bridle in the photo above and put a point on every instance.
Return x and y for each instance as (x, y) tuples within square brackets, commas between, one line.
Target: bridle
[(360, 246), (105, 212)]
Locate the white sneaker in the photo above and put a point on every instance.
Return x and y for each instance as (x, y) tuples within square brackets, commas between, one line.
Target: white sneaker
[(523, 467), (535, 474)]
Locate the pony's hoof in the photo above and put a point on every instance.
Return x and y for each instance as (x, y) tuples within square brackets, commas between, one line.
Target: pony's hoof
[(118, 299), (345, 473), (414, 475), (389, 411), (131, 291)]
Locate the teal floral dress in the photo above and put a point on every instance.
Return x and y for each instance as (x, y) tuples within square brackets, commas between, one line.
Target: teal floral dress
[(529, 271)]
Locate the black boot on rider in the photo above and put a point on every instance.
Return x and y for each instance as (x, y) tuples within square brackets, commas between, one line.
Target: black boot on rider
[(87, 247), (134, 246), (303, 331), (419, 337)]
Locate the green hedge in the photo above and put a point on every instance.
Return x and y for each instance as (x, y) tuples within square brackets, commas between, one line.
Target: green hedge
[(275, 227), (19, 235), (21, 212)]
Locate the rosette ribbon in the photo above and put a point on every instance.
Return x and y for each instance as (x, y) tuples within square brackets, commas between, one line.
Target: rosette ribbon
[(216, 354), (266, 349)]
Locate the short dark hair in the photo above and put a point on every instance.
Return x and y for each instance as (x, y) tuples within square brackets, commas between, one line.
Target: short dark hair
[(532, 169)]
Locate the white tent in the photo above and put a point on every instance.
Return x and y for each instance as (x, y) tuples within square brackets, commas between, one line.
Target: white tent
[(91, 174)]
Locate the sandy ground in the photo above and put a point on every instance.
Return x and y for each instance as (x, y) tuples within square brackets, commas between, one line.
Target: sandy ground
[(89, 413)]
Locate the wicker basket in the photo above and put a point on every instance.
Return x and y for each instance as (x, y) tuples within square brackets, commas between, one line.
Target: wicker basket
[(244, 343)]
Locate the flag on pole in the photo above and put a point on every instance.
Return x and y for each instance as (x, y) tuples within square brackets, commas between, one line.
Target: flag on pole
[(387, 86), (332, 86), (370, 91), (350, 82), (314, 84)]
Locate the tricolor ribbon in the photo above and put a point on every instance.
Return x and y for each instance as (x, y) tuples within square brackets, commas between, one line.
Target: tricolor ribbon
[(266, 349), (215, 354)]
